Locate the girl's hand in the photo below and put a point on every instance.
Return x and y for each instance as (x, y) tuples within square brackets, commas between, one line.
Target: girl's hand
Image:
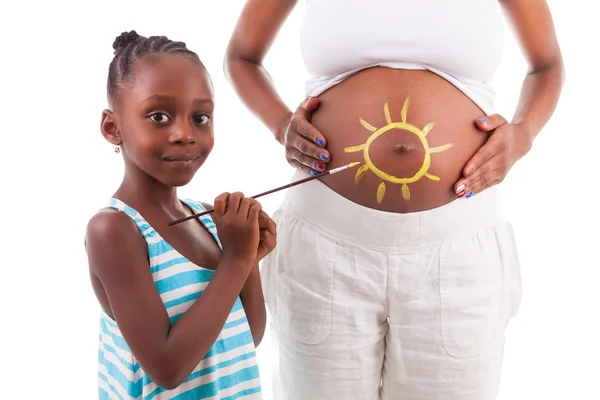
[(236, 218), (268, 235), (490, 165), (304, 144)]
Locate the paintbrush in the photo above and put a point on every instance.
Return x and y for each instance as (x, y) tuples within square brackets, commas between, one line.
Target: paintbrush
[(289, 185)]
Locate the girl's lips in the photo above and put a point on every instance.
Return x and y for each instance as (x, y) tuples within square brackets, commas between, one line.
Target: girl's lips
[(181, 157)]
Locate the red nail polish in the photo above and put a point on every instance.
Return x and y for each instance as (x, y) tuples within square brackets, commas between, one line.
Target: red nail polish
[(461, 194), (320, 166), (469, 172)]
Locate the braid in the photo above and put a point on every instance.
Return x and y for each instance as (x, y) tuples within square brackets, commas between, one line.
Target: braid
[(130, 47)]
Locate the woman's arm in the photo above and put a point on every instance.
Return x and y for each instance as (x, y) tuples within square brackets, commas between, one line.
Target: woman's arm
[(168, 354), (256, 29), (534, 28), (541, 88)]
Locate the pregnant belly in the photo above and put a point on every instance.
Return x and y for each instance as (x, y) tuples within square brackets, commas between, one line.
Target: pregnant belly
[(411, 131)]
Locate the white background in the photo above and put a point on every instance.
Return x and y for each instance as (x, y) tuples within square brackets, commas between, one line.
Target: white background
[(57, 170)]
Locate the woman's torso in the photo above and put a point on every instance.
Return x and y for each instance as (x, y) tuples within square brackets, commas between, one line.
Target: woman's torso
[(410, 155), (366, 56), (179, 283)]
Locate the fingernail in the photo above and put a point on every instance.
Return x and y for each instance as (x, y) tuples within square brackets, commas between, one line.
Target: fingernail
[(482, 120), (320, 165), (313, 172), (461, 194), (324, 156), (320, 142), (460, 188), (469, 195), (469, 171)]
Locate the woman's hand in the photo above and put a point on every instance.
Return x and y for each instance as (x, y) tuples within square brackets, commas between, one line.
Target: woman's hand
[(489, 166), (304, 144)]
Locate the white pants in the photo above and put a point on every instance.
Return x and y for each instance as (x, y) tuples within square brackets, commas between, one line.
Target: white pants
[(367, 304)]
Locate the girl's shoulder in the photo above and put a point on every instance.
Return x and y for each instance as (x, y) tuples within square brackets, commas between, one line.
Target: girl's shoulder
[(107, 222), (114, 246), (113, 217)]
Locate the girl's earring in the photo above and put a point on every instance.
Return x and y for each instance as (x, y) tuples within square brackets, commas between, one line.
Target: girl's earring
[(118, 149)]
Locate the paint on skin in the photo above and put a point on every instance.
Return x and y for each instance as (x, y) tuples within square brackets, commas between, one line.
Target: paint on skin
[(377, 132)]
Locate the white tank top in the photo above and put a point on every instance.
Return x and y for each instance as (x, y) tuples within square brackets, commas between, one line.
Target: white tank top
[(460, 40)]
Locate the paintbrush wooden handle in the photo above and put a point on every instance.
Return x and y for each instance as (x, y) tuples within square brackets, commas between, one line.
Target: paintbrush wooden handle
[(289, 185)]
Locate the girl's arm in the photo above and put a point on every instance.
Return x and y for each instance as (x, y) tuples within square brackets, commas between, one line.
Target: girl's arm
[(251, 295), (256, 29), (254, 305), (168, 354)]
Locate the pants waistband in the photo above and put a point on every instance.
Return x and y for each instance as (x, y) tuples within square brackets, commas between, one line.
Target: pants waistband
[(317, 204)]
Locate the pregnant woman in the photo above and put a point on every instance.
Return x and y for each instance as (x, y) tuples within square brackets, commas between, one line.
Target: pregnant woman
[(397, 278)]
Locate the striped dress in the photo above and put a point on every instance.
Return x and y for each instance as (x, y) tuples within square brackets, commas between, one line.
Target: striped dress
[(229, 370)]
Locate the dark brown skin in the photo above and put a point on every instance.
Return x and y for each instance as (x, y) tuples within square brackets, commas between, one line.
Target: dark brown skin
[(164, 115), (480, 163), (398, 152)]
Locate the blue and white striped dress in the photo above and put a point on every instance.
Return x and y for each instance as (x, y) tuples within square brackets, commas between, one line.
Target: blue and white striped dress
[(229, 370)]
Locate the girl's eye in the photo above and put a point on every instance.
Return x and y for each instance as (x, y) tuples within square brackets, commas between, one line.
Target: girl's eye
[(160, 118), (202, 119)]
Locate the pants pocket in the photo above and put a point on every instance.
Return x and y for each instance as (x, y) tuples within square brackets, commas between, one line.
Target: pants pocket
[(303, 266), (471, 294), (512, 267)]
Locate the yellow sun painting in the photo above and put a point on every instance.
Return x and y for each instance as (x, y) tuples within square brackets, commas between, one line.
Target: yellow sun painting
[(377, 132)]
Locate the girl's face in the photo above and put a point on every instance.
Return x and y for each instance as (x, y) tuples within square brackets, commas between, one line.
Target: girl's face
[(164, 121)]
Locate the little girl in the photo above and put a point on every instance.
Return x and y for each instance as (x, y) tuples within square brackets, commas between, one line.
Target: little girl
[(182, 307)]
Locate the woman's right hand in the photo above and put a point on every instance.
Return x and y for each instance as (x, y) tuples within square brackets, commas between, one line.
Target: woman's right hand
[(304, 144), (236, 218)]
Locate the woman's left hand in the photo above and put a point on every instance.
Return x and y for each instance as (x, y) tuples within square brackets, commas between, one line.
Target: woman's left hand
[(489, 166)]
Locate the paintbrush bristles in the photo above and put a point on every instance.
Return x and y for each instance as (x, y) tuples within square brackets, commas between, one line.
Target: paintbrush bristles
[(338, 169)]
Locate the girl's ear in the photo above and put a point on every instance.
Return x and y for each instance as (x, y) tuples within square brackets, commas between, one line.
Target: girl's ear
[(110, 128)]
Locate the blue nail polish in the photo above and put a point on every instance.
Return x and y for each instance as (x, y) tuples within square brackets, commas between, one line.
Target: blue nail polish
[(469, 195), (482, 120), (320, 142), (313, 172), (324, 157)]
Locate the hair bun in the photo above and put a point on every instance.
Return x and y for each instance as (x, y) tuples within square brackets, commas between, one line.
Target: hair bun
[(124, 40)]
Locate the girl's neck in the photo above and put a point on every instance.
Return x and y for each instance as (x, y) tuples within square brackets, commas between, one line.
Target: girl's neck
[(146, 193)]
